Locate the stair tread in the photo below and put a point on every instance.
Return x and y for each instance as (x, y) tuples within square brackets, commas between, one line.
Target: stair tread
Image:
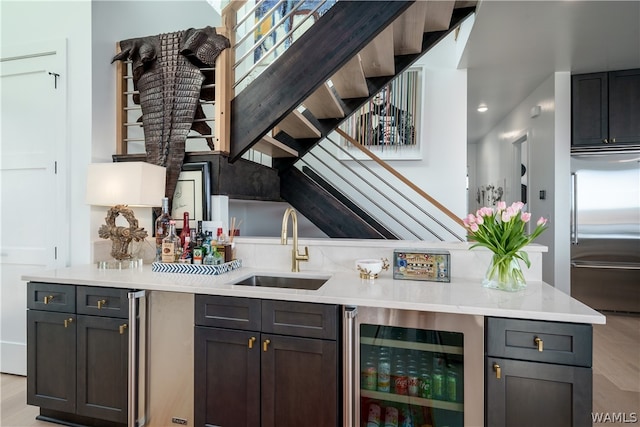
[(297, 126), (274, 148), (409, 28), (377, 57), (323, 104), (350, 81)]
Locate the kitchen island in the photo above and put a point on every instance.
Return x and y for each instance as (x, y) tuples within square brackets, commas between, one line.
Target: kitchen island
[(171, 299)]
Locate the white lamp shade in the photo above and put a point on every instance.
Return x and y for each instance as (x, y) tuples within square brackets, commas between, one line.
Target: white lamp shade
[(125, 183)]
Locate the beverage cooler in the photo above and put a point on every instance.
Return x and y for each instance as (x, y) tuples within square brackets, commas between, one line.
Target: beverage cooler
[(408, 368)]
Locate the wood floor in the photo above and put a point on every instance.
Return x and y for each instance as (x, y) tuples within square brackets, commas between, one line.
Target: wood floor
[(616, 377)]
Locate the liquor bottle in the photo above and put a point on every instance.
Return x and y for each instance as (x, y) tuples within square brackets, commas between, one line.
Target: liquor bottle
[(185, 229), (170, 244), (200, 236), (162, 227)]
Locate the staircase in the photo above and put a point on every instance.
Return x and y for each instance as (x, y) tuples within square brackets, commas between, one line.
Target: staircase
[(337, 65)]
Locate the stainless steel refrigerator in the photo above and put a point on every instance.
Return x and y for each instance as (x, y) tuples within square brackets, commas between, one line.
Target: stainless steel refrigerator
[(605, 230)]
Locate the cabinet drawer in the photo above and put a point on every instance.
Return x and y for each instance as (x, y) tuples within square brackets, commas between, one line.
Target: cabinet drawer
[(51, 297), (228, 312), (300, 319), (107, 302), (562, 343)]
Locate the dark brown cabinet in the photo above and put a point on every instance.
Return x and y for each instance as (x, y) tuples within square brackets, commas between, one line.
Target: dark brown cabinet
[(537, 373), (77, 353), (265, 363), (605, 108)]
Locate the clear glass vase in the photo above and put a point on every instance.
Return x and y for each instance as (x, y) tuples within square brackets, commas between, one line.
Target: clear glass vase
[(504, 273)]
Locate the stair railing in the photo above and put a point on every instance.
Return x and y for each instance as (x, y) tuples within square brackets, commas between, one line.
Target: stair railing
[(263, 29), (403, 214)]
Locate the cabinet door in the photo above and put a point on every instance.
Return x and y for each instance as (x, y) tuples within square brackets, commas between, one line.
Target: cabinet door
[(227, 377), (102, 368), (530, 394), (299, 382), (589, 105), (624, 106), (51, 360)]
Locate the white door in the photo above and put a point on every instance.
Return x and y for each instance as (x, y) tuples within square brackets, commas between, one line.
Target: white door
[(33, 196)]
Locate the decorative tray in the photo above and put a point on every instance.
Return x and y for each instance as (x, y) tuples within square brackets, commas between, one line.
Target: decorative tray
[(196, 268)]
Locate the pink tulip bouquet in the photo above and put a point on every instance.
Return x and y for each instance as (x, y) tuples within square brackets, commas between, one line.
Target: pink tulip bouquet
[(503, 231)]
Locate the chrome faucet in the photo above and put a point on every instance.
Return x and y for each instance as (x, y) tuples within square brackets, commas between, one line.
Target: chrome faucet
[(296, 257)]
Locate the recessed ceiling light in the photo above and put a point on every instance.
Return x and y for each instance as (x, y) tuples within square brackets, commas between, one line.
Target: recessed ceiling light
[(482, 108)]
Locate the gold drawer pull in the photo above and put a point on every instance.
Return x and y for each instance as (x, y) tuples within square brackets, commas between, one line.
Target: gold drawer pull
[(265, 345), (122, 328), (251, 341), (68, 321), (498, 370), (539, 343), (48, 299), (101, 303)]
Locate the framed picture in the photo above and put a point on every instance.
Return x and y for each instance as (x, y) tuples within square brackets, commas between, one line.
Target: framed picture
[(192, 194), (388, 125)]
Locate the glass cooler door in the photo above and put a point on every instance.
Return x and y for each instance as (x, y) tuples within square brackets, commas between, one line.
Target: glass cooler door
[(418, 376)]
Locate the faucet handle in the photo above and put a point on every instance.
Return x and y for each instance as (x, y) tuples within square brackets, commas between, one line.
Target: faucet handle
[(305, 256)]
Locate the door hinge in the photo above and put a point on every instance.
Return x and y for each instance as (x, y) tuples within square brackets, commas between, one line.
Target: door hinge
[(55, 168), (55, 252)]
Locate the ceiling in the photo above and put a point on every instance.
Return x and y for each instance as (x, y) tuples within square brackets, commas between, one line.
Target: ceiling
[(514, 46)]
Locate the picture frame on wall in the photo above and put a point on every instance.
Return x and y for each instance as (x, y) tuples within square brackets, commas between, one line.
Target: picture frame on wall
[(192, 195), (389, 124)]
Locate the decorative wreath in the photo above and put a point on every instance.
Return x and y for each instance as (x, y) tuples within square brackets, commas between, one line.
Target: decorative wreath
[(121, 236)]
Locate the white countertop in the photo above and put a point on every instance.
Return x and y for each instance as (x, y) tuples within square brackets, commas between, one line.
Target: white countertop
[(539, 301)]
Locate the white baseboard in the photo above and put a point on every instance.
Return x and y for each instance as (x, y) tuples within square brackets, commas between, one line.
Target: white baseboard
[(13, 358)]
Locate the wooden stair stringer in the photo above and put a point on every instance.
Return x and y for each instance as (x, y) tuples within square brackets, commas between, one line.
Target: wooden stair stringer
[(321, 208), (340, 34)]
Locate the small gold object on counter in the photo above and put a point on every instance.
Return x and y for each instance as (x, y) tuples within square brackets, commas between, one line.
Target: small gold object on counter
[(370, 268)]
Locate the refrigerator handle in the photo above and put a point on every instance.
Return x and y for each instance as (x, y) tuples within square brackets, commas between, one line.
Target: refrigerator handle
[(574, 209), (350, 379)]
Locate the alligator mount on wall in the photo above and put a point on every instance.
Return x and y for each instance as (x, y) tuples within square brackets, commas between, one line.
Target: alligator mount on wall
[(167, 73)]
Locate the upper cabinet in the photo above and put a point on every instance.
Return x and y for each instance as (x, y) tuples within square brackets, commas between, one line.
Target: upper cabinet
[(606, 108)]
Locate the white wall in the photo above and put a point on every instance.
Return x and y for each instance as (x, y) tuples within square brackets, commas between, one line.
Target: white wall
[(548, 137), (92, 29)]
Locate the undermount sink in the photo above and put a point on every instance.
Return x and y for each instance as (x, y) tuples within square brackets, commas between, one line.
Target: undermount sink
[(307, 283)]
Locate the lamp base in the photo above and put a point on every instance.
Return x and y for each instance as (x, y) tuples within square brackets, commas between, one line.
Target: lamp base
[(115, 264)]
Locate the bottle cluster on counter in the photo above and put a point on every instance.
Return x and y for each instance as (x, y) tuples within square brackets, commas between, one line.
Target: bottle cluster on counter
[(190, 246)]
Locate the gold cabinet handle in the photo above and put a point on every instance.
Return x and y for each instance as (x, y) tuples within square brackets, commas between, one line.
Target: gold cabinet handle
[(613, 140), (539, 343), (101, 303), (251, 341), (498, 370), (606, 141), (68, 321), (265, 344), (122, 328), (48, 299)]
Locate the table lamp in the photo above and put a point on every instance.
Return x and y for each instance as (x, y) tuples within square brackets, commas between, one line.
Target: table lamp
[(120, 185)]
